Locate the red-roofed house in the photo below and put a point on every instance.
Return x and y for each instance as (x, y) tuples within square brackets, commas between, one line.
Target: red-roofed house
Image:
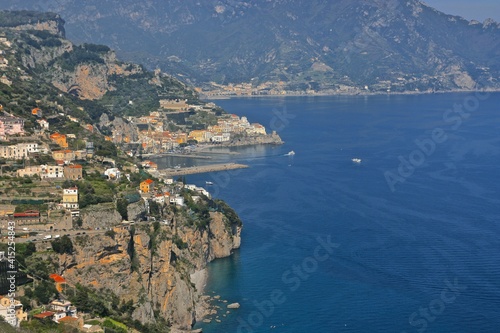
[(27, 217), (44, 315), (147, 186)]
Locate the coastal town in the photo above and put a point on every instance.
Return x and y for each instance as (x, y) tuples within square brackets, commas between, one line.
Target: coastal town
[(47, 178), (83, 200)]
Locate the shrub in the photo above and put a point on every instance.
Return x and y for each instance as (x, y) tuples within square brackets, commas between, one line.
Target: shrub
[(63, 245)]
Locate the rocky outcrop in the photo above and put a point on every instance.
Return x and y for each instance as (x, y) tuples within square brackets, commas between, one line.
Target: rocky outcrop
[(151, 265), (55, 26), (136, 211), (251, 140), (100, 216), (120, 125), (45, 55), (88, 81)]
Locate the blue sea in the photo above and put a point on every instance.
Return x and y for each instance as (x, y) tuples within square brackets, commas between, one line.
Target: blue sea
[(408, 240)]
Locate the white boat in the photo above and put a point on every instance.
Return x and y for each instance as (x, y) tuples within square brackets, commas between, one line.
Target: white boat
[(290, 153), (208, 183), (356, 160)]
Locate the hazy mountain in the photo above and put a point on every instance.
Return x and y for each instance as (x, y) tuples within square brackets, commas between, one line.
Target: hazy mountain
[(315, 44)]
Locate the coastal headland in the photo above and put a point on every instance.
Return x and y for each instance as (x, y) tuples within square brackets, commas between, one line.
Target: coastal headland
[(200, 169)]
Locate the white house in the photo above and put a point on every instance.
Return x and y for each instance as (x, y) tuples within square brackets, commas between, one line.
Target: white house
[(224, 137), (113, 173), (159, 199), (177, 200), (44, 124), (52, 171), (63, 306)]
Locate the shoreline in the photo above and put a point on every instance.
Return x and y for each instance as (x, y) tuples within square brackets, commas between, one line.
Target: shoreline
[(187, 155), (341, 94)]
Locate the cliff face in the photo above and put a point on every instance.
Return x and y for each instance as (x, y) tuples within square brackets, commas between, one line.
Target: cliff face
[(152, 266), (100, 216), (54, 26)]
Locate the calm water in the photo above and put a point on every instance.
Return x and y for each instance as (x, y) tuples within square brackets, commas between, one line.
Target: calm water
[(421, 258)]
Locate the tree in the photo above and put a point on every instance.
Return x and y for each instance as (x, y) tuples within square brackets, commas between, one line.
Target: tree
[(44, 292), (121, 207), (63, 245)]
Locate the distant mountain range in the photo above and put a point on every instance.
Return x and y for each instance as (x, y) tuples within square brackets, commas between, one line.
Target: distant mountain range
[(293, 45)]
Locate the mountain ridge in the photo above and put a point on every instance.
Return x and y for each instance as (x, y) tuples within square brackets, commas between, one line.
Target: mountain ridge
[(289, 45)]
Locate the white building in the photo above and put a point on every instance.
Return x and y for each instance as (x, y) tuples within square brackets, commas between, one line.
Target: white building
[(177, 200), (224, 137), (51, 171), (113, 173), (44, 124), (18, 151), (197, 189), (63, 306), (70, 198)]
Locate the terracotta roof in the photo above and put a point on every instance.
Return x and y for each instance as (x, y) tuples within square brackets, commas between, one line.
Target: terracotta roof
[(57, 278), (28, 213), (75, 166), (44, 315), (148, 181), (67, 319)]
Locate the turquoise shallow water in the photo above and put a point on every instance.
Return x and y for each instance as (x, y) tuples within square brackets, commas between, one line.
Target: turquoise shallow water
[(420, 256)]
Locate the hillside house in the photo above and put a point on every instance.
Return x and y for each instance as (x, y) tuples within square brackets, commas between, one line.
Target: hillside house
[(52, 171), (59, 139), (6, 305), (66, 155), (73, 172), (70, 198), (147, 186)]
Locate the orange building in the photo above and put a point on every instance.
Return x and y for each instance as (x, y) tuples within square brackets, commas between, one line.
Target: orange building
[(147, 186), (36, 112), (59, 139)]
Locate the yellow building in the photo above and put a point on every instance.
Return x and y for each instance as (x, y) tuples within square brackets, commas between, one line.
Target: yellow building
[(198, 135), (181, 138), (5, 305), (147, 186), (70, 198)]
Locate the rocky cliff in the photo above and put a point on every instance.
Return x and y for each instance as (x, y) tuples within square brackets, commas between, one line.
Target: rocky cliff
[(91, 73), (250, 140), (151, 265)]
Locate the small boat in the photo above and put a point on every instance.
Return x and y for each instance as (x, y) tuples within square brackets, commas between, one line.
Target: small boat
[(290, 153), (208, 183), (356, 160)]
